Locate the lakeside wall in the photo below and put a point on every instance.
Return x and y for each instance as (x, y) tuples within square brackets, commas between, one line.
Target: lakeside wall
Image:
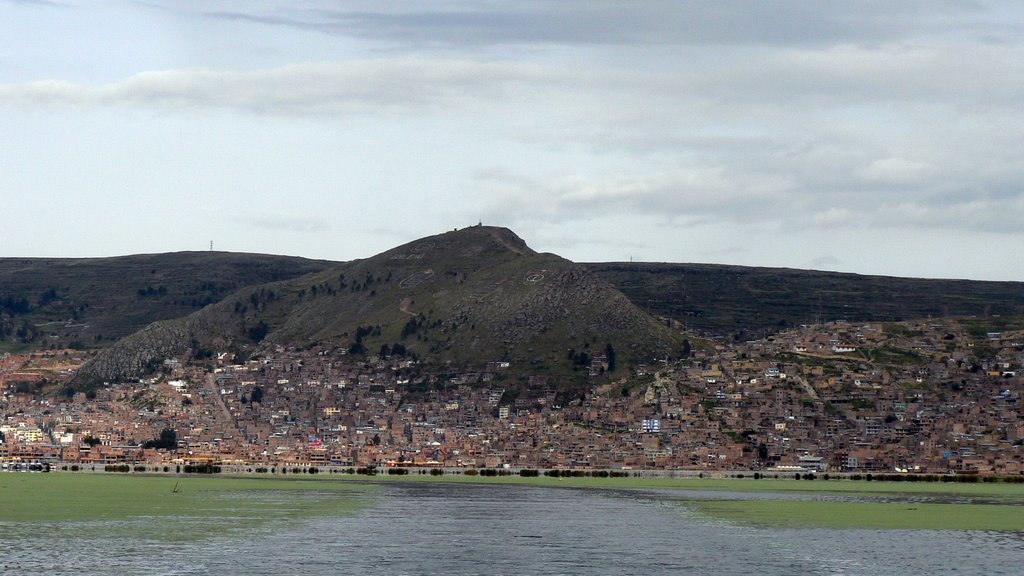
[(349, 472)]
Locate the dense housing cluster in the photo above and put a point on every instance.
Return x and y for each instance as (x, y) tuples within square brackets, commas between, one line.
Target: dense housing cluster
[(924, 397)]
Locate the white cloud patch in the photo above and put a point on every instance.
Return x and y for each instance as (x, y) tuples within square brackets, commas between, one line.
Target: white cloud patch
[(285, 223), (825, 262), (300, 89)]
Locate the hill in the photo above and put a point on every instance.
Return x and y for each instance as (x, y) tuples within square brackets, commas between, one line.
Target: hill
[(92, 302), (738, 300), (463, 298)]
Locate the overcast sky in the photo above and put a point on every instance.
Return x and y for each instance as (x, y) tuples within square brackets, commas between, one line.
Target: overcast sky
[(876, 137)]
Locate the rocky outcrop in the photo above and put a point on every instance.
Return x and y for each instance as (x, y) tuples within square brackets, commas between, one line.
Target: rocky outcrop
[(137, 354)]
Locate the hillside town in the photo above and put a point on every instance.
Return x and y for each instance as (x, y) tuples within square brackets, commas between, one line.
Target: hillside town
[(937, 397)]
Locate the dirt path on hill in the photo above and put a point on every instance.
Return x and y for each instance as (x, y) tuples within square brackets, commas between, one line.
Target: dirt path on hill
[(211, 385), (807, 387)]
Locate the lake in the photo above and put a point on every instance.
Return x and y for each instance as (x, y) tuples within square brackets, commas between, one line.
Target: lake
[(222, 526)]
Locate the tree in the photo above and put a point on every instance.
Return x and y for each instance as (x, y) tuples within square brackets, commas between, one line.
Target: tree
[(257, 395), (410, 328), (259, 331), (48, 296), (168, 440), (91, 440), (609, 353), (357, 347), (27, 332)]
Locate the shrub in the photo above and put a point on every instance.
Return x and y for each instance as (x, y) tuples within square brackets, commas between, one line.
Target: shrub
[(202, 469)]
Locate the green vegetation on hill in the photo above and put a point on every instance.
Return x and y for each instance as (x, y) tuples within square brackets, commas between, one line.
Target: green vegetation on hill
[(92, 302), (746, 301), (462, 299)]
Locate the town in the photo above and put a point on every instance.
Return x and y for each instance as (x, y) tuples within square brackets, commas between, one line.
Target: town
[(937, 397)]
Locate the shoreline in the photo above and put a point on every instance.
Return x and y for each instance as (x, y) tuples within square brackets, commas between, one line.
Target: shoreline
[(1007, 487)]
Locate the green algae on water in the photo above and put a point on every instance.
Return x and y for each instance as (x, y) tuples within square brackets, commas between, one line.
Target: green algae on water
[(170, 508)]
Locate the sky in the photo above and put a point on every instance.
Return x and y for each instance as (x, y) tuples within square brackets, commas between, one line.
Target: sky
[(874, 137)]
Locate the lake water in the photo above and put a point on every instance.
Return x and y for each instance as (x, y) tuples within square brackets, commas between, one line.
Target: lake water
[(409, 528)]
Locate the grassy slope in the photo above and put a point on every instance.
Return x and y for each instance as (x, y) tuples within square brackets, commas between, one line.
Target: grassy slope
[(729, 299), (97, 300), (479, 294)]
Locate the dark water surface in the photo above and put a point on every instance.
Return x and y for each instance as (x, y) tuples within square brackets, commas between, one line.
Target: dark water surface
[(474, 529)]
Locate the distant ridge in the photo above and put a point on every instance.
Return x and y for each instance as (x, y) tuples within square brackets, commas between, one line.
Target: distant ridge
[(92, 302), (719, 299)]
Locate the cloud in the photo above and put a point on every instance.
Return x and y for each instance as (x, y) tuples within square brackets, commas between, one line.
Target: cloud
[(596, 22), (825, 262), (688, 195), (47, 3), (285, 223), (300, 89)]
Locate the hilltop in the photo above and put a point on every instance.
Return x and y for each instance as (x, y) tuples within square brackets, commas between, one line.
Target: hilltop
[(462, 298)]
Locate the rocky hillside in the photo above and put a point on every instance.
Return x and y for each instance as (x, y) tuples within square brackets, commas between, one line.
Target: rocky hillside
[(465, 297)]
